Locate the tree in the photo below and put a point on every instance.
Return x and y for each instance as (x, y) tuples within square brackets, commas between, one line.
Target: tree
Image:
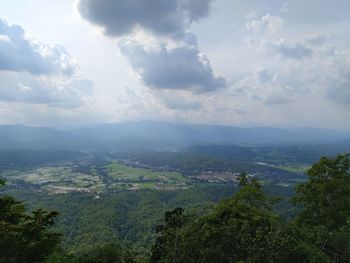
[(166, 248), (325, 200), (242, 228), (108, 253), (23, 237), (326, 195)]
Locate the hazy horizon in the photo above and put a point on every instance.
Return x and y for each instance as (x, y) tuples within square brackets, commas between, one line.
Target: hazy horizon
[(97, 124)]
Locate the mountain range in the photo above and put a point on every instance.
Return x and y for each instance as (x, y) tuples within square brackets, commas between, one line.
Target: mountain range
[(158, 135)]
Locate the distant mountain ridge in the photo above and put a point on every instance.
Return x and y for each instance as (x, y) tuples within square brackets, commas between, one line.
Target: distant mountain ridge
[(157, 135)]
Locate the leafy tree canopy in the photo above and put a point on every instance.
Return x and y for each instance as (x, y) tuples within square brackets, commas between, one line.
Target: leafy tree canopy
[(25, 237)]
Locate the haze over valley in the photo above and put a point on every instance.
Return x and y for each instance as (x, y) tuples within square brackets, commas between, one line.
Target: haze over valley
[(174, 131)]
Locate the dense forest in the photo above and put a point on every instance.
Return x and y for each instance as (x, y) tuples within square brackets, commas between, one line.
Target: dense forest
[(245, 227)]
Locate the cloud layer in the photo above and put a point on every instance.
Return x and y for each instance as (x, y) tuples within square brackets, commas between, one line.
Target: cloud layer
[(53, 92), (296, 51), (266, 87), (180, 102), (339, 89), (38, 73), (283, 63), (18, 53)]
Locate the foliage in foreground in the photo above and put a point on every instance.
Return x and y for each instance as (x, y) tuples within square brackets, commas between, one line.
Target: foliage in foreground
[(23, 237)]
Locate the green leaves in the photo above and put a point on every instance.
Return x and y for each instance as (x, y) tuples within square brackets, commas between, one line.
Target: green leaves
[(326, 195), (166, 247), (108, 253), (325, 198), (241, 228), (25, 238)]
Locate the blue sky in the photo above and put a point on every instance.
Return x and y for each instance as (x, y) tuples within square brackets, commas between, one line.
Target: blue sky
[(242, 63)]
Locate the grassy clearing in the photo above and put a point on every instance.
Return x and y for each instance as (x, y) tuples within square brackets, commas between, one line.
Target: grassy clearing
[(298, 180), (121, 172), (294, 168)]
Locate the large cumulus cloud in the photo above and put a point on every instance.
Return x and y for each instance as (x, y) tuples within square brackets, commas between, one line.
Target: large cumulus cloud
[(312, 66), (18, 53), (178, 68), (38, 73), (162, 17), (178, 65)]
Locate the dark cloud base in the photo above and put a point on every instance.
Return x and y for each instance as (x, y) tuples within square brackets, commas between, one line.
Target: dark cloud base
[(176, 68)]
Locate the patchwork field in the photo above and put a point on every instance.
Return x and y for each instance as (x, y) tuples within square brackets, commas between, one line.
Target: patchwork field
[(54, 179), (134, 178), (116, 176)]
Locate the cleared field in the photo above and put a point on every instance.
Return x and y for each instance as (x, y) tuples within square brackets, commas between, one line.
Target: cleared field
[(58, 180), (121, 172), (55, 179), (294, 169)]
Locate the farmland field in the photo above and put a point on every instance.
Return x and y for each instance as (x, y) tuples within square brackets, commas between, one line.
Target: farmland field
[(65, 179)]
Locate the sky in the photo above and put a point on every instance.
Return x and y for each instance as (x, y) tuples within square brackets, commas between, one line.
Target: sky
[(244, 63)]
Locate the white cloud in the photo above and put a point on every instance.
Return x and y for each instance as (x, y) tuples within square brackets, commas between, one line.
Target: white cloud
[(313, 66), (4, 38), (58, 92), (38, 73), (20, 54), (285, 7), (318, 40), (280, 84), (266, 87), (282, 48), (266, 24)]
